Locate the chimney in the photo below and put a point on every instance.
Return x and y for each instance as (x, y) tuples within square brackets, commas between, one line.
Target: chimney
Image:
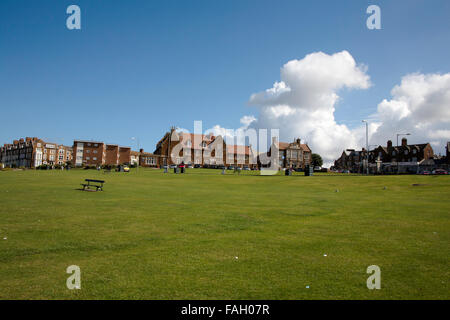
[(16, 142), (389, 144), (298, 140), (141, 150), (404, 142)]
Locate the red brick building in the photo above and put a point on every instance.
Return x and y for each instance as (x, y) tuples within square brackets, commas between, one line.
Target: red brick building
[(199, 149), (96, 153), (294, 154), (33, 152)]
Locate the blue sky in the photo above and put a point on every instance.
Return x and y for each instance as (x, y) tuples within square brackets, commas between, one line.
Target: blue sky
[(138, 67)]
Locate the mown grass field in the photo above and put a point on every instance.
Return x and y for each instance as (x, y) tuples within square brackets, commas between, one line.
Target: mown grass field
[(151, 235)]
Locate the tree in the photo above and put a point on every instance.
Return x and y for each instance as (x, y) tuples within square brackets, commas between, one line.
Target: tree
[(316, 160)]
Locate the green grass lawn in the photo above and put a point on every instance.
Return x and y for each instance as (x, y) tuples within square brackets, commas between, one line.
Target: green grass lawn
[(151, 235)]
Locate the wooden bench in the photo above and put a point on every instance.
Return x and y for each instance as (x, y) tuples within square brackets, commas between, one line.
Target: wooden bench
[(92, 183)]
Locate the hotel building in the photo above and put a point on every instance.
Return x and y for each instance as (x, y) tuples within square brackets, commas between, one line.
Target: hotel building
[(33, 152)]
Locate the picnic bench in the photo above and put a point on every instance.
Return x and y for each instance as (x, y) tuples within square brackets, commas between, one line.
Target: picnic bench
[(92, 183)]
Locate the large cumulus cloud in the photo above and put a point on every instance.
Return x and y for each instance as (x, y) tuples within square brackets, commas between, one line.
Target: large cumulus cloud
[(302, 103), (420, 105)]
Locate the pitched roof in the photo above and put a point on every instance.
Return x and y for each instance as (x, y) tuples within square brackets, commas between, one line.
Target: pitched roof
[(286, 145)]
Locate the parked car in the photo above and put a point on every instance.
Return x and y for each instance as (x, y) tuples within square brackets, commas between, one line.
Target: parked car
[(425, 172), (197, 165), (230, 168), (246, 168), (190, 166), (440, 171), (173, 166)]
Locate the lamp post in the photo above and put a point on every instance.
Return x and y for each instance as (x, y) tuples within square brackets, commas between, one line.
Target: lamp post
[(367, 146), (138, 147), (402, 134), (398, 135)]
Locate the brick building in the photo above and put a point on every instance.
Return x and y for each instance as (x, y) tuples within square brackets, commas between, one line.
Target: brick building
[(96, 153), (389, 158), (147, 159), (404, 153), (294, 154), (33, 152), (205, 150)]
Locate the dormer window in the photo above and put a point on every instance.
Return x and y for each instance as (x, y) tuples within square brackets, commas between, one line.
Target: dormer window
[(393, 153), (204, 144), (188, 143), (406, 152), (414, 151)]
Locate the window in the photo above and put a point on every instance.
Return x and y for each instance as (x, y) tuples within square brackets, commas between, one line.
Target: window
[(95, 144), (189, 143), (61, 157), (393, 153), (87, 158), (406, 152), (414, 151), (88, 151), (204, 144), (94, 158), (89, 144), (95, 151)]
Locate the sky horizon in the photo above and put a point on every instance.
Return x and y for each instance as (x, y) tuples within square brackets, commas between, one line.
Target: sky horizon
[(312, 69)]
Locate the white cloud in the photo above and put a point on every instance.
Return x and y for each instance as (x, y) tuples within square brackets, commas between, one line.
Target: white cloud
[(420, 105), (302, 104)]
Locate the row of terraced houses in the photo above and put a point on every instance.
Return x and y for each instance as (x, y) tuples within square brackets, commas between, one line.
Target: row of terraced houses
[(195, 149), (404, 158)]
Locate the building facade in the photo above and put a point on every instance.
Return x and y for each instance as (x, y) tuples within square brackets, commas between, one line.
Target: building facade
[(96, 153), (295, 155), (403, 158), (199, 149), (33, 152)]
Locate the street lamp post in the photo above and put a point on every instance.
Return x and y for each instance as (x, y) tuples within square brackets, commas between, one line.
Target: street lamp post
[(400, 134), (367, 146), (138, 147)]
